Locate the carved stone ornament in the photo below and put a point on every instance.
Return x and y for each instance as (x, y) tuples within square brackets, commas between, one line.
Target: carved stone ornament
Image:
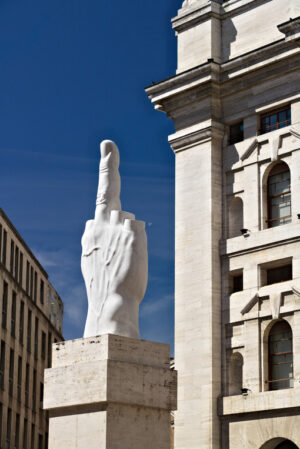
[(275, 303), (114, 259)]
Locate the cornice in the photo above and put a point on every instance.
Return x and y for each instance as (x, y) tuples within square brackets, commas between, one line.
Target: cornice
[(256, 247), (291, 29), (189, 16), (181, 78), (229, 76), (180, 142)]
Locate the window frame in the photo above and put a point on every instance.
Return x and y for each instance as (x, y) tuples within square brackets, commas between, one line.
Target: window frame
[(276, 112), (271, 381), (285, 169)]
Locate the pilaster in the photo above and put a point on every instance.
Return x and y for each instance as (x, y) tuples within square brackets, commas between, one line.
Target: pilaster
[(252, 356), (251, 197), (198, 286)]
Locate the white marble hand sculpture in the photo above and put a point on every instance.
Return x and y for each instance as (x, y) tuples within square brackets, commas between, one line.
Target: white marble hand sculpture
[(114, 259)]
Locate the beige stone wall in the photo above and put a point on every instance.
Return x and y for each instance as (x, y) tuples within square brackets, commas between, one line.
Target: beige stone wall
[(255, 48), (219, 31)]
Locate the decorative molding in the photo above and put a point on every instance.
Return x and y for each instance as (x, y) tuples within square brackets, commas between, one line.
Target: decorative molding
[(275, 303), (251, 303), (250, 150), (275, 144), (295, 291), (183, 142), (294, 133), (291, 29)]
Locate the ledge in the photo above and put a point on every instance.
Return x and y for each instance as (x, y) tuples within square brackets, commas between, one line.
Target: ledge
[(258, 240), (259, 402), (196, 13)]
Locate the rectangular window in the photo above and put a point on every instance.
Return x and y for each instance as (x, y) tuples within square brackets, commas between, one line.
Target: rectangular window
[(11, 372), (279, 274), (19, 386), (16, 263), (25, 434), (36, 338), (35, 287), (34, 391), (21, 327), (8, 428), (32, 436), (275, 119), (49, 349), (12, 256), (21, 269), (29, 331), (4, 247), (31, 283), (13, 314), (43, 348), (2, 365), (17, 432), (4, 305), (27, 385), (238, 283), (27, 277), (236, 132), (42, 287)]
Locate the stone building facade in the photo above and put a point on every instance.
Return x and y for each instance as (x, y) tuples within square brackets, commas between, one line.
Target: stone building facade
[(235, 105), (31, 320)]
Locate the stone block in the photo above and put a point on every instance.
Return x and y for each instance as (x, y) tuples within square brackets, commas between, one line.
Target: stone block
[(110, 392)]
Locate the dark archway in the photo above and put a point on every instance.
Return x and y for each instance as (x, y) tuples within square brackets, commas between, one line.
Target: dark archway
[(286, 444), (279, 443)]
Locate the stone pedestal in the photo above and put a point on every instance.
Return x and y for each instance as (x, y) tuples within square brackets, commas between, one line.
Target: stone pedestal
[(110, 392)]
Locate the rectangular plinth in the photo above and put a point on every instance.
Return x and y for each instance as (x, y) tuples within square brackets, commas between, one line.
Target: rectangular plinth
[(110, 392)]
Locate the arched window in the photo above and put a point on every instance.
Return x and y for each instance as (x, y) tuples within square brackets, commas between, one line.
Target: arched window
[(236, 373), (280, 347), (279, 195), (236, 217)]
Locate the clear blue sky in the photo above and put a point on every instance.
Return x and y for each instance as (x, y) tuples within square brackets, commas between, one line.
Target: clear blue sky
[(72, 74)]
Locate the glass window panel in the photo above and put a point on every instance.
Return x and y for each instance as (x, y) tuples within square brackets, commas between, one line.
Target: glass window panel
[(283, 186), (279, 359), (283, 371), (284, 346), (284, 210), (276, 201)]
